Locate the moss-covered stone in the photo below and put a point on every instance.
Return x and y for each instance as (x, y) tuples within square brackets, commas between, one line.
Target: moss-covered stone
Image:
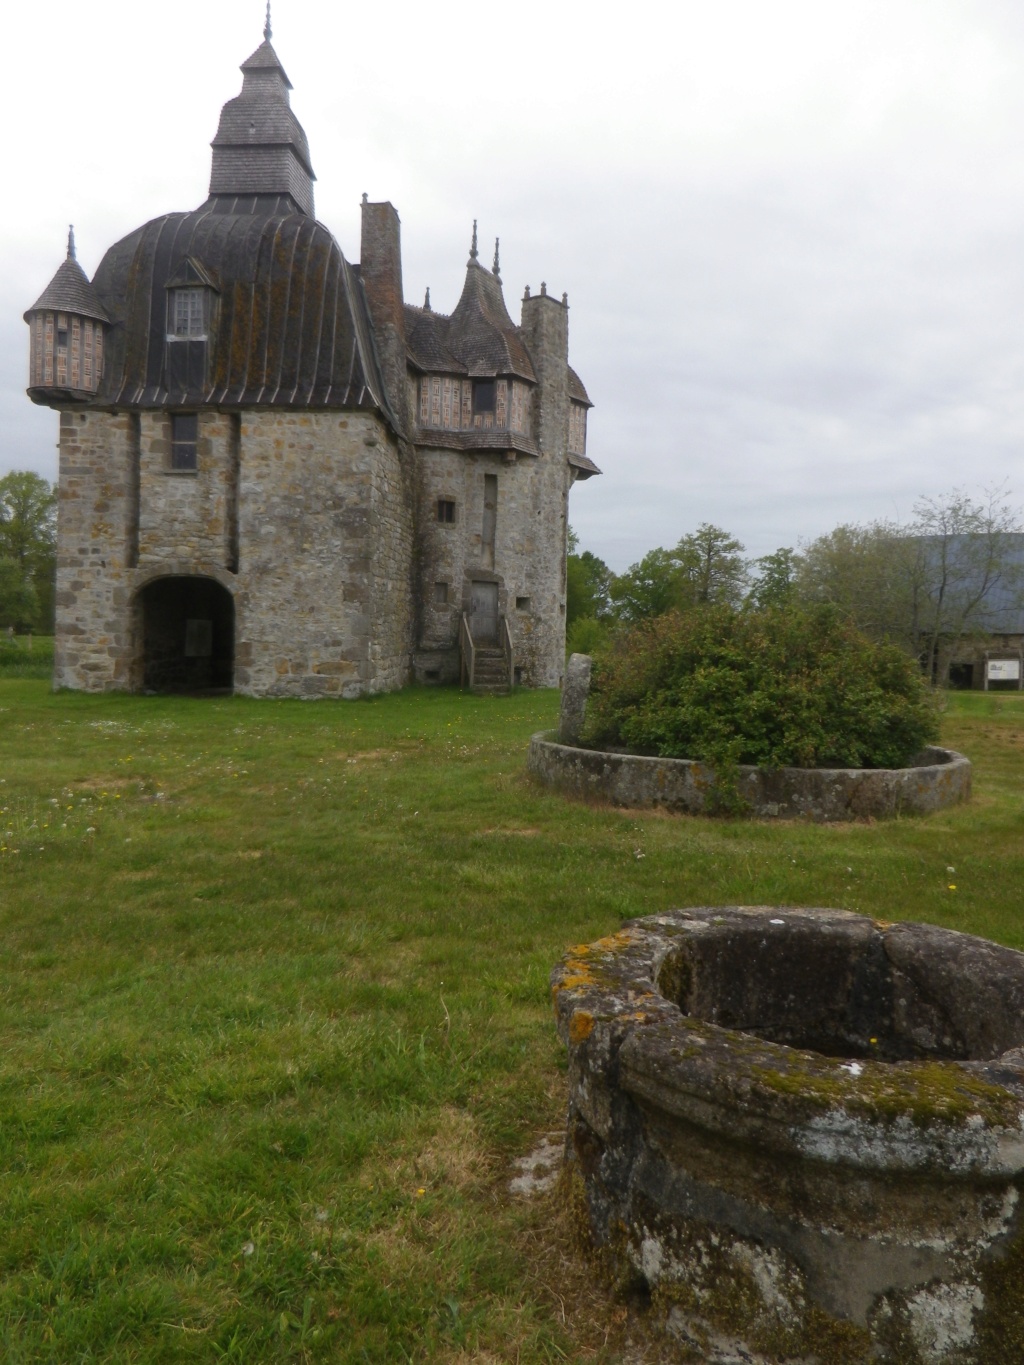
[(835, 1204)]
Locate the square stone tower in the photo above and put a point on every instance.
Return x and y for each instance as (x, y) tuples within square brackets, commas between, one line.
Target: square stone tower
[(278, 477)]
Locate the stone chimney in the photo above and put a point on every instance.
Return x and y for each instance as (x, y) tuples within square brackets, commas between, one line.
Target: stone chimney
[(380, 268), (545, 324)]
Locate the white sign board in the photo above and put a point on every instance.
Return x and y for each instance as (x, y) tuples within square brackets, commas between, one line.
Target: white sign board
[(1003, 670)]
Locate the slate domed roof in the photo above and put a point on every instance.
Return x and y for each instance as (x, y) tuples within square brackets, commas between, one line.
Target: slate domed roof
[(69, 291), (289, 324)]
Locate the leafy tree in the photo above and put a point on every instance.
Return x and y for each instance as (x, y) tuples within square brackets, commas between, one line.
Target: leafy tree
[(925, 585), (964, 554), (648, 588), (587, 584), (774, 583), (28, 536), (18, 603), (586, 635), (869, 574), (705, 568), (712, 567)]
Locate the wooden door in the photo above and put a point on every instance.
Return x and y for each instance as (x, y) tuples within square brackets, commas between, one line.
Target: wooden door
[(483, 613)]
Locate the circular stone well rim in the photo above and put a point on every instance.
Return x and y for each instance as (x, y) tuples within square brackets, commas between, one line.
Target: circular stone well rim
[(963, 1119), (686, 786)]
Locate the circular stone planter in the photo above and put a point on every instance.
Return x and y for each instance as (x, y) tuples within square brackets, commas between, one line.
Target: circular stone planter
[(804, 1130), (939, 778)]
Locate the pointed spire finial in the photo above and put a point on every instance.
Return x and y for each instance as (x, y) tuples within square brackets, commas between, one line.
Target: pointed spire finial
[(268, 32), (71, 242), (473, 253), (426, 302), (496, 268)]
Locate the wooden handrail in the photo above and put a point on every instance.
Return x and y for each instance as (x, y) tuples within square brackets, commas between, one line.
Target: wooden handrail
[(510, 658), (467, 651)]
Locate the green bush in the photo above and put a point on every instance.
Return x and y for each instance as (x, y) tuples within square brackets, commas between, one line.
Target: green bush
[(26, 656), (586, 635), (779, 687)]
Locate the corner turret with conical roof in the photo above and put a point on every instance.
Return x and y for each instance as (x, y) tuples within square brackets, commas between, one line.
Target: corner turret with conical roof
[(66, 335), (260, 147)]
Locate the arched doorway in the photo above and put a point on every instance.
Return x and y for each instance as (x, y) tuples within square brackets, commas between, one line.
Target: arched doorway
[(188, 635)]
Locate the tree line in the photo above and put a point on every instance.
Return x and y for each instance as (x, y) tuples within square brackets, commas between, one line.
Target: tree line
[(28, 552), (927, 584)]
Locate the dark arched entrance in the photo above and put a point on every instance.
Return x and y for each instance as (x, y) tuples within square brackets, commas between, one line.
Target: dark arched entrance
[(188, 635)]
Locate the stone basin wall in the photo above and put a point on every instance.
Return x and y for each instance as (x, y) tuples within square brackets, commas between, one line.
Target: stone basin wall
[(938, 778), (804, 1131)]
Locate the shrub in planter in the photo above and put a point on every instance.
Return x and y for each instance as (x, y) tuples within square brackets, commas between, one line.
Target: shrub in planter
[(780, 688)]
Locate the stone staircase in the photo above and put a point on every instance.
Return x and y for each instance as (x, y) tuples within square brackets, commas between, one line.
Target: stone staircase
[(490, 673)]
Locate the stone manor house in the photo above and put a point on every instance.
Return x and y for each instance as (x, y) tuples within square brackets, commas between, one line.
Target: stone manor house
[(275, 475)]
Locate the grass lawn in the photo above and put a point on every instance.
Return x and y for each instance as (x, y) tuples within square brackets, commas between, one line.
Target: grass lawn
[(274, 1015)]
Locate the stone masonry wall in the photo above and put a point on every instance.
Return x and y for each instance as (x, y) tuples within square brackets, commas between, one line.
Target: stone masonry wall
[(312, 510), (325, 539), (185, 518), (525, 569), (391, 546), (449, 553), (95, 550)]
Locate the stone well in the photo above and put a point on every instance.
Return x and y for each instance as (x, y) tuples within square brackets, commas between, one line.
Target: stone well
[(804, 1131)]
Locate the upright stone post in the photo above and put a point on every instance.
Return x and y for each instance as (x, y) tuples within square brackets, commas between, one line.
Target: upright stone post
[(575, 690)]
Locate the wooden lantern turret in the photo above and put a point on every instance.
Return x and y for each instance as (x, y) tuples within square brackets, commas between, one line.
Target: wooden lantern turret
[(66, 325)]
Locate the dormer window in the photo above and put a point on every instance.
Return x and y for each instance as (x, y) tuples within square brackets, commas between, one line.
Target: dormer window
[(189, 314), (191, 327), (190, 294)]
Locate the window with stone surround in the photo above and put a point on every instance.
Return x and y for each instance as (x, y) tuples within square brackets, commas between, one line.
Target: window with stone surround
[(440, 594), (446, 511), (184, 440)]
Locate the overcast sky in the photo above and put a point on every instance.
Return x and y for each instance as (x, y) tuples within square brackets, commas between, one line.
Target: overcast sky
[(792, 233)]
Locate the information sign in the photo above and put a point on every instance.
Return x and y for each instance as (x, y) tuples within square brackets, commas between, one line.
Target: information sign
[(1003, 670)]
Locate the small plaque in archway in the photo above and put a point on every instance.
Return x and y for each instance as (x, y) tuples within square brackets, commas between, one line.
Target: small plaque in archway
[(198, 639)]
